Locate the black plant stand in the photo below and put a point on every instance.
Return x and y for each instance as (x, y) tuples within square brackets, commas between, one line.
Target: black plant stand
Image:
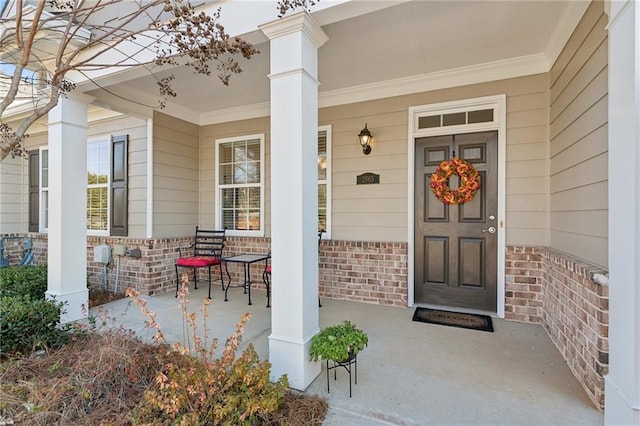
[(349, 364)]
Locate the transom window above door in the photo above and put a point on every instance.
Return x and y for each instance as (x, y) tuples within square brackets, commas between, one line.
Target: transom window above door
[(455, 118)]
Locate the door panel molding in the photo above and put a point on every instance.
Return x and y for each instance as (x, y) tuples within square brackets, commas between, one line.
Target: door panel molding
[(474, 248), (498, 104), (477, 205)]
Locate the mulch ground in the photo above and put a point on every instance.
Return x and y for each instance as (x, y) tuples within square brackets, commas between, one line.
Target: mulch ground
[(100, 296)]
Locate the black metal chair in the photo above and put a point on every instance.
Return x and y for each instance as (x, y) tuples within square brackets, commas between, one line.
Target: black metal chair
[(207, 252), (266, 274)]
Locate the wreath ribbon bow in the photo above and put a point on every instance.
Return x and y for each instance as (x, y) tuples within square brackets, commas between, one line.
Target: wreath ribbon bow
[(469, 181)]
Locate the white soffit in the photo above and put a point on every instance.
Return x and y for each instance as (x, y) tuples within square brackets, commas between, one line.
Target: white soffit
[(393, 48)]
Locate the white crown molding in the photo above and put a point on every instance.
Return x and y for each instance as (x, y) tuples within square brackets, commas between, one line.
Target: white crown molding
[(234, 114), (492, 71), (566, 26), (499, 70)]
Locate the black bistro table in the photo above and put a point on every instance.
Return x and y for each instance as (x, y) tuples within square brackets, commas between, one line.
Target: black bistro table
[(246, 259)]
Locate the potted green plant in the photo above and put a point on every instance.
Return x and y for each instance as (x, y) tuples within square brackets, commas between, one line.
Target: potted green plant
[(339, 343)]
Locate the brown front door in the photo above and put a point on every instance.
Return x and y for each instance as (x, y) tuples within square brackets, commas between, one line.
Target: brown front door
[(456, 245)]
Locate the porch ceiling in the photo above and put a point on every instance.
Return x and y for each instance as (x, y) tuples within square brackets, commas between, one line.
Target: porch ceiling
[(410, 41)]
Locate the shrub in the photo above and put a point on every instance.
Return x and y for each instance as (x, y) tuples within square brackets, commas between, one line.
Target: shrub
[(27, 325), (24, 280), (194, 391), (203, 389)]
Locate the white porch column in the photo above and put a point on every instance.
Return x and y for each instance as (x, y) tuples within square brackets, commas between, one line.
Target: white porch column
[(622, 384), (294, 195), (67, 250)]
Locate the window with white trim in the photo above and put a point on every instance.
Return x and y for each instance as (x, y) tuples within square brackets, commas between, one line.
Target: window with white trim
[(107, 207), (324, 180), (44, 189), (240, 185), (98, 186)]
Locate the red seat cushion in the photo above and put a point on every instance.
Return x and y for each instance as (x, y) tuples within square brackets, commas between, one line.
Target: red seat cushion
[(268, 269), (197, 262)]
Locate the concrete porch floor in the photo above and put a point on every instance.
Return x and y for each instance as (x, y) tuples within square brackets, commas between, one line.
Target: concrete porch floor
[(411, 373)]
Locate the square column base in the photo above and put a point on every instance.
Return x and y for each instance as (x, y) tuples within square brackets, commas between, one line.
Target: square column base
[(617, 409), (76, 305), (292, 358)]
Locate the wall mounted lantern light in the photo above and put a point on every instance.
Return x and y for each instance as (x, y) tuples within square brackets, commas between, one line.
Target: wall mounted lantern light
[(365, 140)]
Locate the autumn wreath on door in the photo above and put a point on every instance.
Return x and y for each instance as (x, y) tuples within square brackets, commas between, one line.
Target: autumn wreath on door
[(469, 181)]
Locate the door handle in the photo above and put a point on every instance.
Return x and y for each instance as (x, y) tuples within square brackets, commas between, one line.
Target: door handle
[(491, 230)]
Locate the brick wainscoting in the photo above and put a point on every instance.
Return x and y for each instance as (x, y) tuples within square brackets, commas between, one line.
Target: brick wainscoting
[(152, 273), (523, 284), (551, 288), (543, 286), (369, 272)]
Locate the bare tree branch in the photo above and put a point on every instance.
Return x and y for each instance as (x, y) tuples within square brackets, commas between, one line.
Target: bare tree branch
[(51, 40), (142, 32)]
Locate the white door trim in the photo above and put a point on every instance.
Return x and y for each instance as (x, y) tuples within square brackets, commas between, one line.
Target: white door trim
[(498, 104)]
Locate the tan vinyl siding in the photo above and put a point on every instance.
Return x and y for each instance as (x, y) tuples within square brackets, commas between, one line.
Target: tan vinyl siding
[(175, 176), (208, 180), (12, 195), (578, 147), (379, 212)]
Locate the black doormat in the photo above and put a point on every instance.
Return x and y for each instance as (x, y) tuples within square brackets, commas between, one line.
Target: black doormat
[(454, 319)]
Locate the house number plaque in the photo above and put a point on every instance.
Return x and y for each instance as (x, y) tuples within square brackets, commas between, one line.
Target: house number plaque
[(367, 179)]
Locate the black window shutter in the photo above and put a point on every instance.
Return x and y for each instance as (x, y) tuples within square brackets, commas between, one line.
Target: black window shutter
[(119, 174), (34, 191)]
